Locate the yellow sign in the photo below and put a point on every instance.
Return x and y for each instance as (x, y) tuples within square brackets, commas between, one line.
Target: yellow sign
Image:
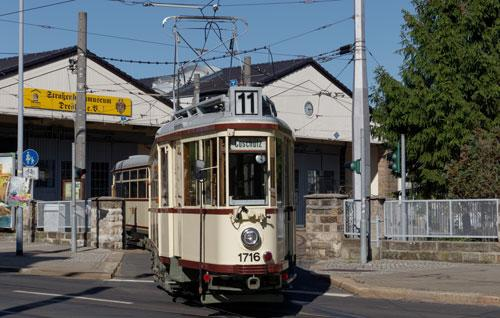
[(65, 101)]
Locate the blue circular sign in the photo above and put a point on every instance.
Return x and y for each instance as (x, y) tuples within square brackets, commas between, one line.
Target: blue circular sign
[(30, 158)]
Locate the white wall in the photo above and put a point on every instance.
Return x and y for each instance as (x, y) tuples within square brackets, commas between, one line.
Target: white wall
[(146, 110), (331, 113)]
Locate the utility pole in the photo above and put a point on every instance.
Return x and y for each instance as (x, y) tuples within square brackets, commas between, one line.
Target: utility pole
[(78, 147), (360, 122), (81, 89), (20, 126), (365, 223)]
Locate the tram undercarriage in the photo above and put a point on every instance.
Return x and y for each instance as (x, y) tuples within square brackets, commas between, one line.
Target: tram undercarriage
[(215, 288)]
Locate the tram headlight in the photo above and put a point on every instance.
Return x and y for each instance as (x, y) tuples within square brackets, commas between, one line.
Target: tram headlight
[(250, 238)]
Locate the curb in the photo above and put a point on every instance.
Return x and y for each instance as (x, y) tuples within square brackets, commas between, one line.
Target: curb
[(63, 274), (108, 269), (116, 258), (443, 297)]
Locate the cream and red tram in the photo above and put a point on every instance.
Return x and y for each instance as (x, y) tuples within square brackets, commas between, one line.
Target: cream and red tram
[(130, 181), (221, 216)]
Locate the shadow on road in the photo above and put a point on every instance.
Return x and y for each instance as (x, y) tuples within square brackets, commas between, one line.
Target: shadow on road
[(9, 262), (305, 289), (54, 300)]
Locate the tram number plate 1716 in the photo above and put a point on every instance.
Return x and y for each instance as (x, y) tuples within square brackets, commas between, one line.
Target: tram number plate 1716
[(249, 257)]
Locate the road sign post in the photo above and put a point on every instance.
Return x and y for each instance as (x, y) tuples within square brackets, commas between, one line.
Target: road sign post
[(31, 173), (30, 158)]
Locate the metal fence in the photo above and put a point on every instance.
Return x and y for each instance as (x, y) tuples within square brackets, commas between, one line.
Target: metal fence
[(352, 222), (351, 219), (441, 218), (55, 216)]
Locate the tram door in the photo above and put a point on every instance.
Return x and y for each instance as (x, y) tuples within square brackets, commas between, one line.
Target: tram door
[(281, 198)]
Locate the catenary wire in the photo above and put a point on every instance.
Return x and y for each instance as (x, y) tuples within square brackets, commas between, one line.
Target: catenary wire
[(35, 8)]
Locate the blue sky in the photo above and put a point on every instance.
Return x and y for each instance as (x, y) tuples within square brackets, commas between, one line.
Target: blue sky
[(267, 24)]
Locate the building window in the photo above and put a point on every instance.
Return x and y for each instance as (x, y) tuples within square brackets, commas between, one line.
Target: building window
[(312, 181), (65, 170), (99, 173), (327, 182), (47, 174)]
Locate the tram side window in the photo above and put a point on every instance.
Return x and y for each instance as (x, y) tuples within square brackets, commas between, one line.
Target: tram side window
[(164, 177), (154, 181), (247, 171), (210, 184), (118, 185), (131, 184), (287, 173), (133, 189), (190, 183), (222, 171), (279, 171)]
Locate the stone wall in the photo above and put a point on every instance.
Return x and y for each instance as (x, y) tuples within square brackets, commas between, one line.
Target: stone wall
[(107, 223), (63, 238), (446, 251), (324, 225)]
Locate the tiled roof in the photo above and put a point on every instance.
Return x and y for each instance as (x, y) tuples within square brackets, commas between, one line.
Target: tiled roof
[(262, 74), (8, 67)]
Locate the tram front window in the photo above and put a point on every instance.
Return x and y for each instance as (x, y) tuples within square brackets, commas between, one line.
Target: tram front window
[(247, 171)]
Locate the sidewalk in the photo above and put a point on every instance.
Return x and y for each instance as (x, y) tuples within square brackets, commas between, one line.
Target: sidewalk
[(427, 281), (57, 260)]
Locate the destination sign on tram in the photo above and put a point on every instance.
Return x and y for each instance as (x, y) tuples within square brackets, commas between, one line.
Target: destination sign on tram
[(248, 144)]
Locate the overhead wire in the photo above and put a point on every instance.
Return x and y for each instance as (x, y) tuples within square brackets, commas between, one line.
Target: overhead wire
[(138, 96), (374, 58), (205, 59), (35, 8), (33, 77), (248, 4), (51, 27), (269, 3)]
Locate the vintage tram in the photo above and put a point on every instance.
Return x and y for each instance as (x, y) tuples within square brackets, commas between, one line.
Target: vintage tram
[(222, 221), (130, 181)]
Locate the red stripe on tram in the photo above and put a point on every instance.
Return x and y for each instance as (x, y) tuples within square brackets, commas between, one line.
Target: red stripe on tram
[(231, 269)]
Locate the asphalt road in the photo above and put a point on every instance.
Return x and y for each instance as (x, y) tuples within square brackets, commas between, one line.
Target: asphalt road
[(132, 294)]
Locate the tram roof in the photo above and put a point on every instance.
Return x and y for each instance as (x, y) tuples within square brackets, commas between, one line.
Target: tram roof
[(220, 110), (131, 162)]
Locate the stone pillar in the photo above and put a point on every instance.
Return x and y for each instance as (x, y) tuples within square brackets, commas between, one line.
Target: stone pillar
[(324, 225), (387, 182), (107, 226)]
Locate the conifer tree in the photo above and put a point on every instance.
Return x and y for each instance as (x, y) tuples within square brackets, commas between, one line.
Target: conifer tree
[(449, 86)]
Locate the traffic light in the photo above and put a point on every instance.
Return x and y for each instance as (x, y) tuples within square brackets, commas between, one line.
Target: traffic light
[(354, 166), (80, 173), (394, 159)]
